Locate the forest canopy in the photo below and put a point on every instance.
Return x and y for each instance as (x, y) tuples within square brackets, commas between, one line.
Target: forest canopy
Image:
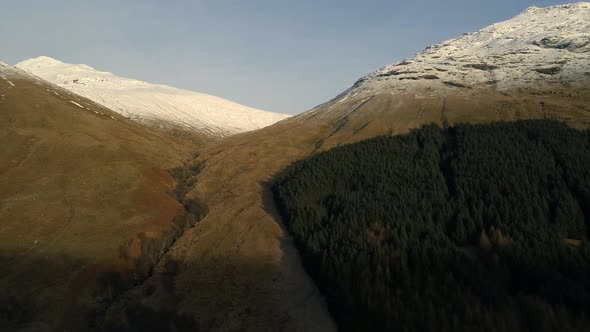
[(473, 227)]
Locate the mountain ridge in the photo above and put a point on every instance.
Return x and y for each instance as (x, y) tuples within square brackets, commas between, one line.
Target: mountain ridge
[(153, 104)]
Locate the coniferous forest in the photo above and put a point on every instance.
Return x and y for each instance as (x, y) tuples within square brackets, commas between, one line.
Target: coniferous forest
[(474, 227)]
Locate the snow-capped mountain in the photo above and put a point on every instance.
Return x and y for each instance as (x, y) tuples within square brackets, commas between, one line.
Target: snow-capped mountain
[(151, 103), (538, 48)]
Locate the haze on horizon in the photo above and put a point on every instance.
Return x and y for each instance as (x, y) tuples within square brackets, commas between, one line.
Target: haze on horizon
[(274, 55)]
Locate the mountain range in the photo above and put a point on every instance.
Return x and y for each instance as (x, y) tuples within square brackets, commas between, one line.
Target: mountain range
[(100, 212)]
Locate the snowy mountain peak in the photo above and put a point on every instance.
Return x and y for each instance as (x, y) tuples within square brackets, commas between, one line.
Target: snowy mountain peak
[(153, 104), (44, 61), (542, 45)]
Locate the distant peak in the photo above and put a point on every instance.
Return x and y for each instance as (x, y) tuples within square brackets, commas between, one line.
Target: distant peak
[(46, 58), (42, 61), (48, 62), (151, 103)]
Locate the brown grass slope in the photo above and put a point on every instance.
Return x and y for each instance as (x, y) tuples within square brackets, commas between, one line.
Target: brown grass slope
[(239, 269), (82, 193)]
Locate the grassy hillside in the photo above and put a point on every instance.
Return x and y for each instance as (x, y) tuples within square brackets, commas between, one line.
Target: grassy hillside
[(475, 227), (86, 205)]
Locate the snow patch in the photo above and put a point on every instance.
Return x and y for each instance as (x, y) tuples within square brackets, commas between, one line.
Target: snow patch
[(6, 79), (75, 103)]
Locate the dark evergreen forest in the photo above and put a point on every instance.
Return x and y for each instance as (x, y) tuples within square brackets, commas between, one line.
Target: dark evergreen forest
[(474, 227)]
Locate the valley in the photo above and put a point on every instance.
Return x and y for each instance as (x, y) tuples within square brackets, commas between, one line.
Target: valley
[(242, 228), (130, 206)]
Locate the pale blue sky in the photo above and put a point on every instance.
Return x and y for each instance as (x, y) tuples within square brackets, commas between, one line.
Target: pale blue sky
[(277, 55)]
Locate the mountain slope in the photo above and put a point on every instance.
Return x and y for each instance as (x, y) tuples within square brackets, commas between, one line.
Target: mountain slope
[(539, 46), (535, 62), (240, 267), (150, 103), (85, 204)]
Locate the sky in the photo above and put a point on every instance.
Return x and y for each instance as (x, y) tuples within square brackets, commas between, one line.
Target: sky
[(277, 55)]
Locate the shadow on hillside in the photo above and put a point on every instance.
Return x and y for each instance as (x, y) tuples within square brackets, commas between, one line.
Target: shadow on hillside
[(268, 203), (52, 293), (47, 294), (288, 246), (309, 299)]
